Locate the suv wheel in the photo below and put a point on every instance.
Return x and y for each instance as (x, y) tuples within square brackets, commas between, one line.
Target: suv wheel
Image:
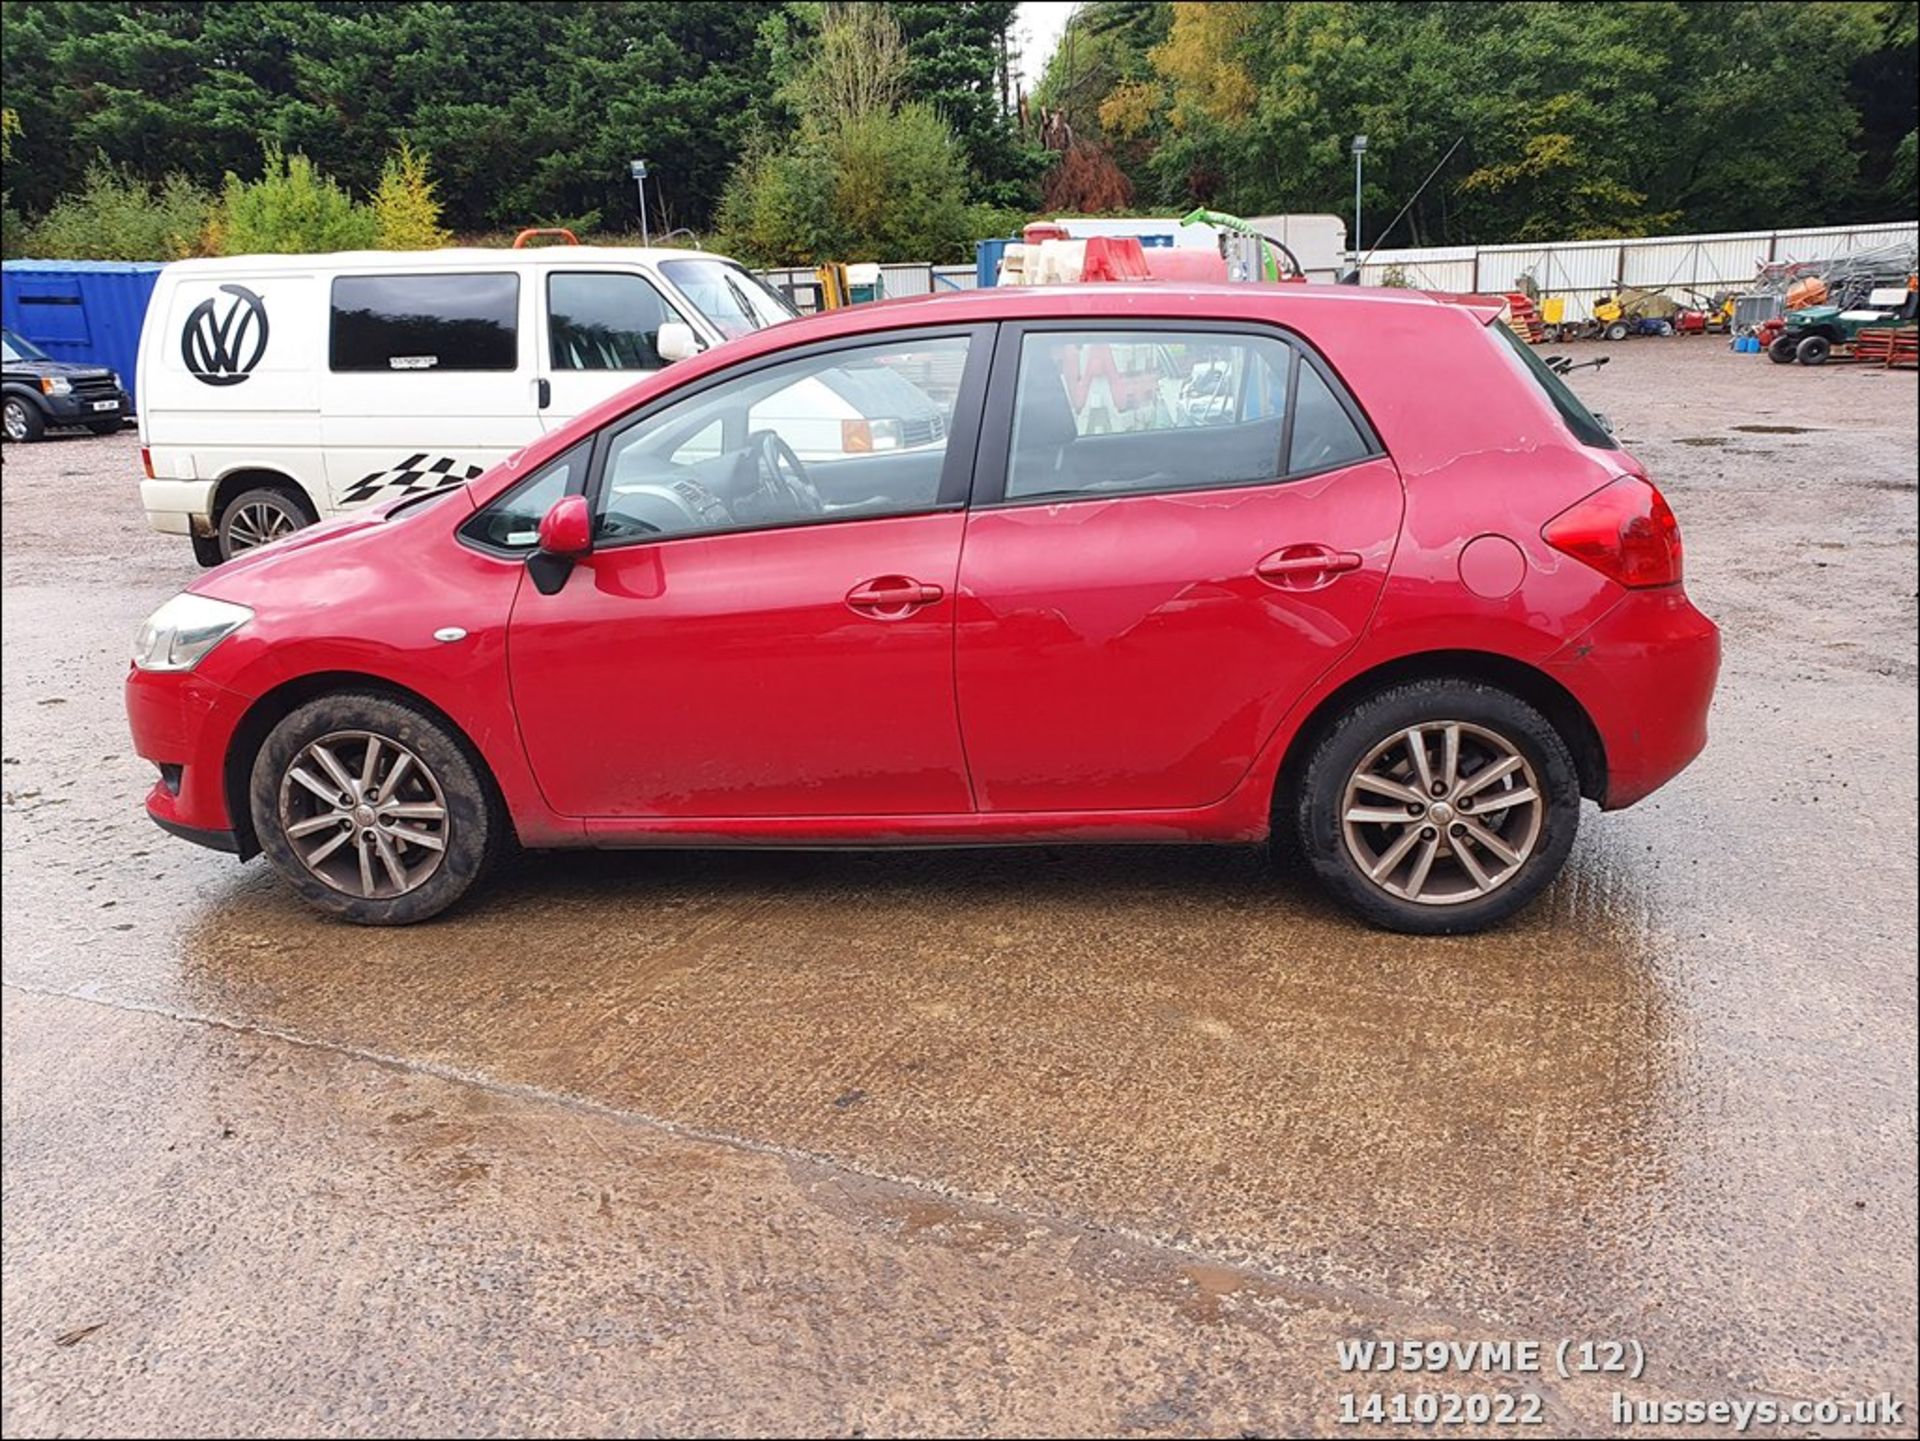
[(258, 516), (372, 810), (22, 420), (1438, 807)]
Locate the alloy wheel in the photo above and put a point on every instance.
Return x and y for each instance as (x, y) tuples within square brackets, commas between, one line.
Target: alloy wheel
[(364, 814), (1442, 812), (16, 420), (258, 522)]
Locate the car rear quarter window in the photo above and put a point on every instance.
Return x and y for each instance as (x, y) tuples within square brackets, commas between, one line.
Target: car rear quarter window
[(410, 323), (1324, 435), (1585, 425)]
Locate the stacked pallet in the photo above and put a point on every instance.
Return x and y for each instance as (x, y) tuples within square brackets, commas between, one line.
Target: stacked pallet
[(1524, 319)]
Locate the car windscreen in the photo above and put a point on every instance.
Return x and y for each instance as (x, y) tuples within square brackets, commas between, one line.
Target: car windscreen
[(18, 349), (1586, 427), (735, 301)]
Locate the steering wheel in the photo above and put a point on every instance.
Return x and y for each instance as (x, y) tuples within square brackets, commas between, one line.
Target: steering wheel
[(781, 471)]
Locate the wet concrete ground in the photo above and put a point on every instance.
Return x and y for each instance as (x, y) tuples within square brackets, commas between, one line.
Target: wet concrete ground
[(1088, 1141)]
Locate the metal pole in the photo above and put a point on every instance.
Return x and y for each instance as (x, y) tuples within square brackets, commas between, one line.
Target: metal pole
[(641, 181), (1359, 159)]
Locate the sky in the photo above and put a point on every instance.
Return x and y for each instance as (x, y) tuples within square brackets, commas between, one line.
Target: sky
[(1041, 23)]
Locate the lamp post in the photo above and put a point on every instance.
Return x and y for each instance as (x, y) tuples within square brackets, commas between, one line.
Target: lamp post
[(638, 170), (1359, 159)]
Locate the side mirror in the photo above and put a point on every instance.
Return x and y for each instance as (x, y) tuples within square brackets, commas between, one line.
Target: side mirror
[(566, 534), (676, 341), (567, 529)]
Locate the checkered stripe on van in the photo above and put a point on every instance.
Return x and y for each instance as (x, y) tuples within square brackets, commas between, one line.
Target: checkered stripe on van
[(412, 476)]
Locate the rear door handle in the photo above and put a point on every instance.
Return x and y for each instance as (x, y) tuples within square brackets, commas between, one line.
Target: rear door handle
[(543, 392), (892, 597), (1305, 567)]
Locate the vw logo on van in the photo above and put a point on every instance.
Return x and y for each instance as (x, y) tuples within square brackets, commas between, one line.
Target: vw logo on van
[(224, 350)]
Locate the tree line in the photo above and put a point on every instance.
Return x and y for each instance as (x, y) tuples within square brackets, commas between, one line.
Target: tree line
[(801, 131)]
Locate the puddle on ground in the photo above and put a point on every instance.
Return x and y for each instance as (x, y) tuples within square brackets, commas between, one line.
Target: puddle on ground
[(1714, 440), (1776, 429)]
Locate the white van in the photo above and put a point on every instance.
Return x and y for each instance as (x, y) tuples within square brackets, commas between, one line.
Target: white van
[(277, 389)]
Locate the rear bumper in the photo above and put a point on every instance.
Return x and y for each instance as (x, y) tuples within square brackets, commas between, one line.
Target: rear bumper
[(185, 725), (1645, 672)]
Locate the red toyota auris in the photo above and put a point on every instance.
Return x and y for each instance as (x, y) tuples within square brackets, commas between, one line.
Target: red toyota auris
[(1104, 563)]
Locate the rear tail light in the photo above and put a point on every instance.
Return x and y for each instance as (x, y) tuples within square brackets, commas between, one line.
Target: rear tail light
[(1625, 531), (146, 461)]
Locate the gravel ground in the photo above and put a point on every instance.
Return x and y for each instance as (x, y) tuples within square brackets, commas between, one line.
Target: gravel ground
[(1093, 1141)]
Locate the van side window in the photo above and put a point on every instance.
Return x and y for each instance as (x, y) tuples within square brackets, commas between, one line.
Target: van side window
[(425, 322), (605, 321)]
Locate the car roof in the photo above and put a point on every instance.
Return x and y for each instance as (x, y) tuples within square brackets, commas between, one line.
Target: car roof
[(456, 256), (1103, 301)]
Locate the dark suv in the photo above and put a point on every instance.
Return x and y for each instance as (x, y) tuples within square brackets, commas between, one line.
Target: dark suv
[(43, 392)]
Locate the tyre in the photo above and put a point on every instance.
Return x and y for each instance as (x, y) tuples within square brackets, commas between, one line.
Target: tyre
[(373, 810), (1814, 350), (255, 517), (1616, 331), (1780, 352), (1665, 328), (22, 419), (1438, 807)]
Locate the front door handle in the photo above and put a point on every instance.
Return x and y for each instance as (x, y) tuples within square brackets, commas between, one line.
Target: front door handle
[(1305, 567), (543, 392), (892, 597)]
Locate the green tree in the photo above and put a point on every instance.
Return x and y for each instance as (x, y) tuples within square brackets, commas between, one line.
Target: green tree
[(864, 176), (291, 209), (114, 216)]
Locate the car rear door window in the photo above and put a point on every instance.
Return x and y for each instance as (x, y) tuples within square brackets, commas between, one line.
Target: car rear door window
[(1115, 411), (403, 323), (605, 321)]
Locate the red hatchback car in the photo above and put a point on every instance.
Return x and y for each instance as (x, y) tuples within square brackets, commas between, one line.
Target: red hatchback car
[(1105, 563)]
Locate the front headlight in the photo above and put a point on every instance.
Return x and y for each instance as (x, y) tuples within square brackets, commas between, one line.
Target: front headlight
[(179, 634), (55, 385)]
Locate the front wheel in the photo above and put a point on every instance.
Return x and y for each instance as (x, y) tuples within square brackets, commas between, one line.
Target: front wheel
[(1438, 807), (372, 810), (258, 516), (1616, 331), (1780, 352), (23, 420)]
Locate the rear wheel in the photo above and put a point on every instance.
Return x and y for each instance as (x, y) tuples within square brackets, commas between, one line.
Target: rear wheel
[(1438, 807), (22, 419), (1616, 331), (258, 516), (1814, 350), (372, 810)]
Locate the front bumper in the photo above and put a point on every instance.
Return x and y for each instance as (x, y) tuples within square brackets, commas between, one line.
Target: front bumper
[(184, 725), (81, 409), (1645, 672)]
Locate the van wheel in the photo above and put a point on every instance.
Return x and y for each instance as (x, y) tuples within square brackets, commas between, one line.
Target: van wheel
[(258, 516), (372, 810), (1438, 807), (23, 420)]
